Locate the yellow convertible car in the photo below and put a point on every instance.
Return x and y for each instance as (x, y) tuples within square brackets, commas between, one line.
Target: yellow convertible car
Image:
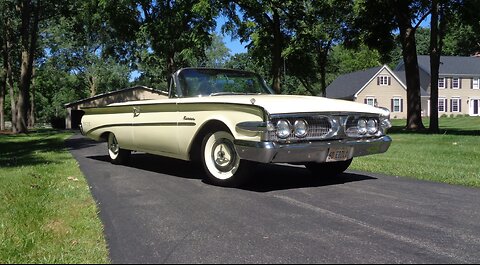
[(228, 119)]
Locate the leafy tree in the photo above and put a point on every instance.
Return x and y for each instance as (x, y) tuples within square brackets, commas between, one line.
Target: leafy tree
[(317, 27), (423, 41), (216, 54), (55, 88), (9, 52), (3, 88), (344, 60), (376, 23), (176, 30), (262, 25), (443, 14)]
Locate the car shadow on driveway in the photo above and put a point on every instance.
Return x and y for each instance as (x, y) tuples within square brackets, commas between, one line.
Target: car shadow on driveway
[(264, 178)]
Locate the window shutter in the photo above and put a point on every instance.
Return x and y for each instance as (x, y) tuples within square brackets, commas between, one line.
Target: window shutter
[(451, 105), (446, 105), (365, 101), (389, 80), (450, 80), (471, 83), (460, 105), (401, 105), (391, 105), (375, 103), (460, 83), (378, 80)]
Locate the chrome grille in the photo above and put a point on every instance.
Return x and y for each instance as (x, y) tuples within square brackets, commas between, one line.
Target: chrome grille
[(318, 127)]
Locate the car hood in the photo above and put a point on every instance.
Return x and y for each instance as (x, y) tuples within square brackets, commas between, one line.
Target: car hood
[(279, 104), (274, 104)]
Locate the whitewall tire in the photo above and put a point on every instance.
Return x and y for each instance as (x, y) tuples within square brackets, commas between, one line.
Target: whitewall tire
[(117, 155), (221, 162)]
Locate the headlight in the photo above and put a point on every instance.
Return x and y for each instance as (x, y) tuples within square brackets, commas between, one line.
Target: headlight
[(300, 128), (362, 127), (283, 129), (372, 127)]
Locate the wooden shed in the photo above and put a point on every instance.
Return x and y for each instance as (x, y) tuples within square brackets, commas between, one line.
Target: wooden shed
[(74, 112)]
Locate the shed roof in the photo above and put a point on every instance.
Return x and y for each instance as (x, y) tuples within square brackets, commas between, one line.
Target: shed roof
[(115, 93)]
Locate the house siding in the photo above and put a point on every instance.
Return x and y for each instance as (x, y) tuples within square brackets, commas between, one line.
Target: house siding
[(465, 93), (385, 94), (465, 68)]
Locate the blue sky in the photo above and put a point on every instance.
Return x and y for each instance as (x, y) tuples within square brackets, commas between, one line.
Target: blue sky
[(234, 45)]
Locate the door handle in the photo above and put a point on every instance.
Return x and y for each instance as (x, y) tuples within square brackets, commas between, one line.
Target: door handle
[(136, 111)]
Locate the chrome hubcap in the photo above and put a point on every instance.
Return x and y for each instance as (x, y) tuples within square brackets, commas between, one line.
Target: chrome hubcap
[(114, 145), (223, 155)]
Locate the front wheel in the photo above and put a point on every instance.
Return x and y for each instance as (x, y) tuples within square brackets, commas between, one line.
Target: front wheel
[(118, 156), (221, 162), (329, 169)]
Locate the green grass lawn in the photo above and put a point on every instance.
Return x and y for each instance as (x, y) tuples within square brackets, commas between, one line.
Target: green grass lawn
[(451, 157), (47, 214)]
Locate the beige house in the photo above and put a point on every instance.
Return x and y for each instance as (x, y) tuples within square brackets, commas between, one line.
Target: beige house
[(74, 112), (459, 87)]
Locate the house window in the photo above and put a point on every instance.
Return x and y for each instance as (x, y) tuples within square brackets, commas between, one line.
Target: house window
[(384, 80), (455, 102), (397, 105), (455, 83), (441, 105), (476, 83), (441, 82), (371, 101)]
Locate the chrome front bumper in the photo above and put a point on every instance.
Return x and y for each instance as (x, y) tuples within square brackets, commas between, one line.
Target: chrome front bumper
[(272, 152)]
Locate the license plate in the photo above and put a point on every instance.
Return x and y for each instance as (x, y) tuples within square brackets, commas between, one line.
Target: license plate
[(338, 154)]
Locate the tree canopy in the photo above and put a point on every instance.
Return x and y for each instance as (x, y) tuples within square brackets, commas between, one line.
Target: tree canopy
[(55, 52)]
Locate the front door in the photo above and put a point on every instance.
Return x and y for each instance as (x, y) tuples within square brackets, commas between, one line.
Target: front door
[(155, 128), (474, 107)]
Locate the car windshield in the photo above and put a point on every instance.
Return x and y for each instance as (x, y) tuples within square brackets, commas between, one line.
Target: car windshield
[(216, 82)]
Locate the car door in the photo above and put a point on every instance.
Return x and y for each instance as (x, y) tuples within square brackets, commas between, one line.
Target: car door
[(155, 128)]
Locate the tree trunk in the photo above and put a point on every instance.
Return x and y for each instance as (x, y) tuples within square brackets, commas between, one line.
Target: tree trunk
[(92, 85), (171, 68), (31, 114), (438, 26), (409, 51), (7, 66), (3, 86), (28, 33), (277, 54), (322, 52), (13, 103), (434, 68), (9, 83)]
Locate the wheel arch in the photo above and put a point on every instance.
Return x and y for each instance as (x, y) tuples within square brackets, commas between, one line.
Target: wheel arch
[(210, 126), (104, 136)]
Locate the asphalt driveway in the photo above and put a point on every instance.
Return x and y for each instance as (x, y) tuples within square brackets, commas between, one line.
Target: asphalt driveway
[(158, 210)]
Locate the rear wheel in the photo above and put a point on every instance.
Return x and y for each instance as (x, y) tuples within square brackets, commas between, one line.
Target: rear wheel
[(221, 162), (328, 169), (117, 155)]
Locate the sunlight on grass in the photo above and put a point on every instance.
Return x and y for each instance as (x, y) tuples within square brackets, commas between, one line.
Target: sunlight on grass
[(47, 214), (451, 157)]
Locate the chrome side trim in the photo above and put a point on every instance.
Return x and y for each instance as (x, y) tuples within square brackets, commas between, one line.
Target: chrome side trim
[(142, 124), (255, 126), (273, 152)]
